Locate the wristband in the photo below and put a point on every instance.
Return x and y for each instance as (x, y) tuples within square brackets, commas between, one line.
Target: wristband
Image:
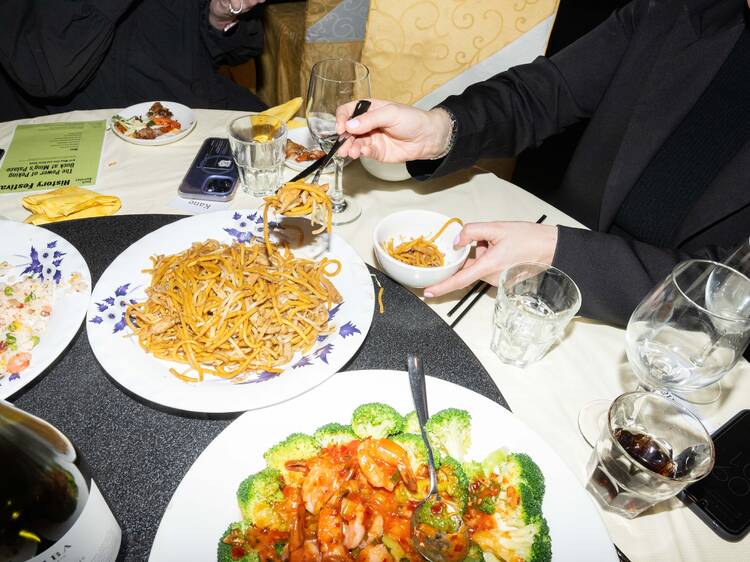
[(451, 137)]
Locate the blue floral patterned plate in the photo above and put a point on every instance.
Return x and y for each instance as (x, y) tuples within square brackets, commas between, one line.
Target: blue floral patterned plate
[(31, 251), (124, 282)]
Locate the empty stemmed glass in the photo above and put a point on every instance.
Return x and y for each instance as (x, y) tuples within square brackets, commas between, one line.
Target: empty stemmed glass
[(690, 330), (684, 336), (739, 259), (334, 82)]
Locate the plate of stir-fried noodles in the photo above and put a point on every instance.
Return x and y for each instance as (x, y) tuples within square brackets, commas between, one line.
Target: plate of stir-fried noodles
[(336, 474), (212, 314)]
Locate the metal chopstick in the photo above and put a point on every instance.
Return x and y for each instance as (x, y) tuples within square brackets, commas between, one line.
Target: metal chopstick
[(361, 107), (465, 297), (482, 291)]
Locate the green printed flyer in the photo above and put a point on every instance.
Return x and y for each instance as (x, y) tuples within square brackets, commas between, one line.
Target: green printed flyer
[(52, 155)]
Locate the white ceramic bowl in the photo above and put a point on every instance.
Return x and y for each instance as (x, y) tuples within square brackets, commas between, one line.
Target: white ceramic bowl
[(405, 225), (387, 171)]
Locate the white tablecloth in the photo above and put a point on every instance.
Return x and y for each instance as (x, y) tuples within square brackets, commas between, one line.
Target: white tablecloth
[(588, 364)]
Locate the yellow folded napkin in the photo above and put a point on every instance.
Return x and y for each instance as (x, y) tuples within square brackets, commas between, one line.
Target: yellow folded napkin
[(69, 203), (286, 112)]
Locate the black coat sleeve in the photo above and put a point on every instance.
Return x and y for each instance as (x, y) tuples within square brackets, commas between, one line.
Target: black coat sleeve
[(51, 48), (614, 274), (519, 108), (522, 106)]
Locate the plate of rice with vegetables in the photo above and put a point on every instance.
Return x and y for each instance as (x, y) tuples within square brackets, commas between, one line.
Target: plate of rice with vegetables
[(327, 477), (45, 286)]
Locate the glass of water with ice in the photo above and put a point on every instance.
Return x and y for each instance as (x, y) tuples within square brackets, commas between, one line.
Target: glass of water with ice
[(258, 144), (534, 304)]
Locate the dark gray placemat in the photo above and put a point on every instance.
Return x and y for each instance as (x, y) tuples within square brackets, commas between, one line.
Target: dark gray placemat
[(139, 453)]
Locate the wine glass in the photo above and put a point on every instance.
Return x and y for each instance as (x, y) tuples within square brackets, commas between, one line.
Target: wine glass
[(739, 259), (334, 82), (684, 336), (690, 330)]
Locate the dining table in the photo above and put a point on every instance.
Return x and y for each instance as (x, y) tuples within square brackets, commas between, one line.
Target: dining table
[(588, 363)]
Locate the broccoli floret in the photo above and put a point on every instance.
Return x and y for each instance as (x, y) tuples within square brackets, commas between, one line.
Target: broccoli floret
[(530, 543), (296, 447), (492, 462), (411, 423), (414, 447), (450, 431), (521, 486), (473, 470), (475, 554), (257, 497), (376, 420), (484, 493), (521, 530), (235, 537), (520, 471), (541, 548), (486, 505), (529, 505), (452, 483), (334, 434)]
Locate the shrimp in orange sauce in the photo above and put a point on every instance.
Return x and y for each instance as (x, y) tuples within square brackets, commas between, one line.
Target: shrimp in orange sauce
[(384, 464)]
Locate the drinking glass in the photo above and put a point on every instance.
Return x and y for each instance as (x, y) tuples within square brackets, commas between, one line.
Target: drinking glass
[(649, 450), (691, 329), (258, 145), (534, 304), (684, 336), (739, 259), (334, 82)]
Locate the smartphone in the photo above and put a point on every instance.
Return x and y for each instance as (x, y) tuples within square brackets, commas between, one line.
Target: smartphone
[(213, 174), (722, 499)]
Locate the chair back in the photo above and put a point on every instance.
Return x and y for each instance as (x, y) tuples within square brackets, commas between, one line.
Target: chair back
[(420, 51)]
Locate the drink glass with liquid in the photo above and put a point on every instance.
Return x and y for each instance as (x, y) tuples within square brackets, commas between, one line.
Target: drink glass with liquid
[(649, 450), (258, 144), (691, 329), (534, 304)]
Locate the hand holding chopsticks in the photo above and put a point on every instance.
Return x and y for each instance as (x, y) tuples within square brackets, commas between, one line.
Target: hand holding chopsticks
[(319, 165), (480, 286)]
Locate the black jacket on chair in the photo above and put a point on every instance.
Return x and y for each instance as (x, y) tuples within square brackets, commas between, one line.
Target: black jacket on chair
[(636, 76)]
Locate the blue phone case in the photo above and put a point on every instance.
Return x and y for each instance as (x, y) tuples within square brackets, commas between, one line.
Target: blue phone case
[(213, 174)]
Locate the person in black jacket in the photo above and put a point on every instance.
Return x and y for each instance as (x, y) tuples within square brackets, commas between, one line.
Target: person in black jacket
[(80, 54), (662, 169)]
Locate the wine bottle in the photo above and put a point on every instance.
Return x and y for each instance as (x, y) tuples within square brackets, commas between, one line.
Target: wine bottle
[(50, 508)]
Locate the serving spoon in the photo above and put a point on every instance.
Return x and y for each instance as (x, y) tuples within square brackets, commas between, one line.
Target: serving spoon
[(434, 544)]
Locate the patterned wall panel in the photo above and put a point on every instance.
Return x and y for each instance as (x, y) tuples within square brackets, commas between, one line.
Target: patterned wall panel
[(414, 46), (345, 22)]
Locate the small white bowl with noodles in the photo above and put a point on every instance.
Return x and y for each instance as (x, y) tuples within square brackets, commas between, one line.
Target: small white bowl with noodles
[(415, 247)]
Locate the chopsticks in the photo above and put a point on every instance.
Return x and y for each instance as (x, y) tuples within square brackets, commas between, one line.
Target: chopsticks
[(319, 165), (480, 286), (621, 555)]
